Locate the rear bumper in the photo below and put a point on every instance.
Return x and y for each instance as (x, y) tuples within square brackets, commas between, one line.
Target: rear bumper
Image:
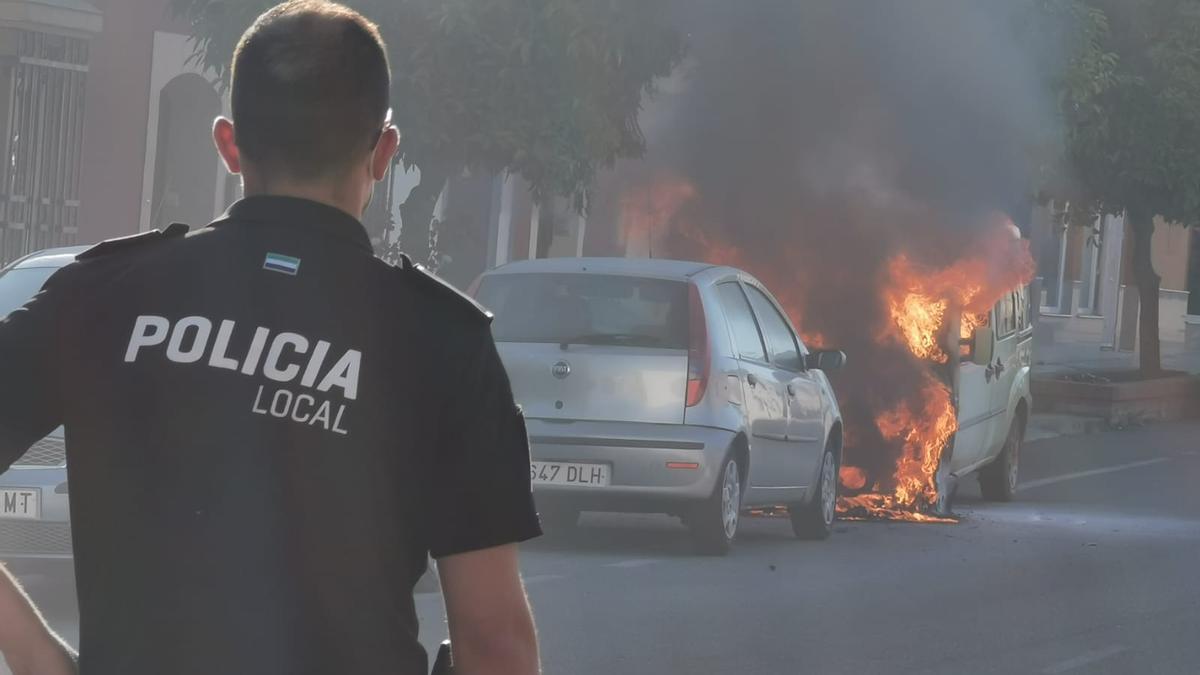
[(47, 537), (638, 454)]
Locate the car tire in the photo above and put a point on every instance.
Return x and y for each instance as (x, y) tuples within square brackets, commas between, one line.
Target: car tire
[(714, 522), (998, 480), (815, 519), (559, 519)]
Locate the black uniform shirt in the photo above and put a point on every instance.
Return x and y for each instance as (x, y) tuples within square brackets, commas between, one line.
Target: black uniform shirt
[(267, 430)]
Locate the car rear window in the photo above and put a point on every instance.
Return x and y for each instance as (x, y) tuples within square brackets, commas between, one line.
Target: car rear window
[(17, 286), (590, 309)]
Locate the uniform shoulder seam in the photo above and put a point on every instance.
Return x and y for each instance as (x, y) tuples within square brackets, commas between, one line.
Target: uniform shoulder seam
[(119, 244)]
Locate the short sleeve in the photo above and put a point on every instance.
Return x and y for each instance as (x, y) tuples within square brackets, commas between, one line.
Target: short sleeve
[(481, 494), (30, 404)]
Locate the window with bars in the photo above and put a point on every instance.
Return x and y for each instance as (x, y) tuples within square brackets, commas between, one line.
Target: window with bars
[(42, 79)]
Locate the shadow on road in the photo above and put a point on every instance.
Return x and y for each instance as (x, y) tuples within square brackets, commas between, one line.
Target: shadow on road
[(652, 535)]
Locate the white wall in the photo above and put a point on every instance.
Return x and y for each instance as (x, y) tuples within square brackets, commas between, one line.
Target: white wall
[(170, 60)]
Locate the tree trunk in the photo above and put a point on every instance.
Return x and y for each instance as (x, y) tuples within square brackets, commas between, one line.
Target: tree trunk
[(1149, 354), (416, 213)]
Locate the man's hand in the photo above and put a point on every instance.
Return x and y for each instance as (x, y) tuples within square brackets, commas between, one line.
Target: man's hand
[(28, 644), (491, 627)]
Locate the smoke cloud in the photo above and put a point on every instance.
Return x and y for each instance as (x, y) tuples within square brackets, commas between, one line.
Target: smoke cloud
[(817, 140)]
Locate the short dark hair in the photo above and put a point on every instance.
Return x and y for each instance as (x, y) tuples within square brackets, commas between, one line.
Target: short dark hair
[(310, 83)]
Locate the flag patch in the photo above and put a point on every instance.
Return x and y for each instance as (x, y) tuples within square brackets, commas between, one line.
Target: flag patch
[(282, 263)]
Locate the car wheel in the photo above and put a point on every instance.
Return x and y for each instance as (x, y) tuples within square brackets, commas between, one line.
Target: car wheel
[(559, 518), (714, 522), (814, 520), (998, 480)]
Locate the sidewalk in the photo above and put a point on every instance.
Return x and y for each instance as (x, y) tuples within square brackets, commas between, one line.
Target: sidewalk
[(1052, 357), (1058, 348), (1076, 354)]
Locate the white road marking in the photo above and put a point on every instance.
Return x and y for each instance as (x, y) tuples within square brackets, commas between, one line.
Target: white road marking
[(1085, 659), (636, 562), (1090, 472)]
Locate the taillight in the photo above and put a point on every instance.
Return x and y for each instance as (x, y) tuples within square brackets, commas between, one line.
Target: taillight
[(697, 372)]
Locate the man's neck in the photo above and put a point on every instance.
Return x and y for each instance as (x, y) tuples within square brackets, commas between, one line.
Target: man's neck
[(335, 196)]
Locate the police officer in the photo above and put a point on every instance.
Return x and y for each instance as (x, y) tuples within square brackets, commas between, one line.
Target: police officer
[(269, 428)]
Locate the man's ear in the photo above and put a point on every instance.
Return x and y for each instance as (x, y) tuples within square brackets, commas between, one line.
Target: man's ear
[(226, 142), (385, 152)]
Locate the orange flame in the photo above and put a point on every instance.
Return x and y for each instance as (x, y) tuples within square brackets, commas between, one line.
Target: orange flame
[(925, 433), (852, 477), (919, 298), (917, 315)]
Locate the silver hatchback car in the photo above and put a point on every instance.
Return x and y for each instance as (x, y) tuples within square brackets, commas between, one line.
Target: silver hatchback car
[(666, 387), (34, 514)]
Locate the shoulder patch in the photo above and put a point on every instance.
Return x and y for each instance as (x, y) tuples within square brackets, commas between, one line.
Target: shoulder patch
[(438, 286), (110, 246)]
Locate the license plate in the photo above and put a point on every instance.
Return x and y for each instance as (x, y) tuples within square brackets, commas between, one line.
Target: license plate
[(569, 473), (21, 503)]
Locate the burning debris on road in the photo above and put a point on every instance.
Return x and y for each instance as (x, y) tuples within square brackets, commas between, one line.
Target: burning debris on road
[(859, 164)]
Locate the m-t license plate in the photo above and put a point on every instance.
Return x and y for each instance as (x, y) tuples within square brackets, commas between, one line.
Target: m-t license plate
[(569, 473), (21, 503)]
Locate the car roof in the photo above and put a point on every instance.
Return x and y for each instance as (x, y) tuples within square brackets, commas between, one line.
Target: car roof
[(656, 267), (51, 257)]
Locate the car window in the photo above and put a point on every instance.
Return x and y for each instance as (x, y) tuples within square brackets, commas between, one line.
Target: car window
[(781, 342), (1006, 316), (1022, 298), (746, 337), (17, 286), (594, 309)]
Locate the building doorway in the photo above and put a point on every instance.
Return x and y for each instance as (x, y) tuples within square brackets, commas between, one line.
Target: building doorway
[(185, 162)]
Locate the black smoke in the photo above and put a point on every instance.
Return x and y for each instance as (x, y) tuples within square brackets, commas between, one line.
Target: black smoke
[(825, 137)]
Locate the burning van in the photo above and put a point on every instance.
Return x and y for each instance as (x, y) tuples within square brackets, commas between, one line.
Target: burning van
[(968, 328)]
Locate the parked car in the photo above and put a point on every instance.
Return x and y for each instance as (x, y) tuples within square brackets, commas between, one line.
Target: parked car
[(666, 386), (34, 516), (994, 400)]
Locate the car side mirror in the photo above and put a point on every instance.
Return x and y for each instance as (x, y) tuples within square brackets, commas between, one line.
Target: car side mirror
[(826, 359), (982, 345)]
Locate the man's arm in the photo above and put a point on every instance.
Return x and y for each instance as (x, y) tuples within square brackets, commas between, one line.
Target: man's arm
[(28, 644), (491, 626), (480, 507), (30, 408)]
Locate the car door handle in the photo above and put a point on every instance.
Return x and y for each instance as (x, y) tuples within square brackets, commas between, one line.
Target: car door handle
[(751, 379), (791, 389)]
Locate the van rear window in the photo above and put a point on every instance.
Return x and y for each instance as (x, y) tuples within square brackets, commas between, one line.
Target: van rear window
[(588, 309)]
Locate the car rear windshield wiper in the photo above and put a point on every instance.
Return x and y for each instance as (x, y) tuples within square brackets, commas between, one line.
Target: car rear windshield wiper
[(630, 339)]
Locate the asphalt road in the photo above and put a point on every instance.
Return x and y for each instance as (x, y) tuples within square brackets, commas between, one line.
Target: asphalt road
[(1095, 569)]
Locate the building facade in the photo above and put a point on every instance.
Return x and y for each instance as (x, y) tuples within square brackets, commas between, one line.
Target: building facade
[(1087, 289), (107, 122), (45, 56)]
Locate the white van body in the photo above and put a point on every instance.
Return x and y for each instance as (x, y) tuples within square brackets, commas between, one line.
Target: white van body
[(993, 400)]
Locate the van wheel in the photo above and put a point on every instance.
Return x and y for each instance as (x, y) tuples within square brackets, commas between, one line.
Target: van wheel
[(714, 522), (998, 480), (814, 520)]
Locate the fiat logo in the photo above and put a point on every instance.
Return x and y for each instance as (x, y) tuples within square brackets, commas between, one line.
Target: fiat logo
[(561, 370)]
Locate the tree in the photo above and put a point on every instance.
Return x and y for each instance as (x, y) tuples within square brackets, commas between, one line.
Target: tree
[(549, 90), (1130, 103)]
